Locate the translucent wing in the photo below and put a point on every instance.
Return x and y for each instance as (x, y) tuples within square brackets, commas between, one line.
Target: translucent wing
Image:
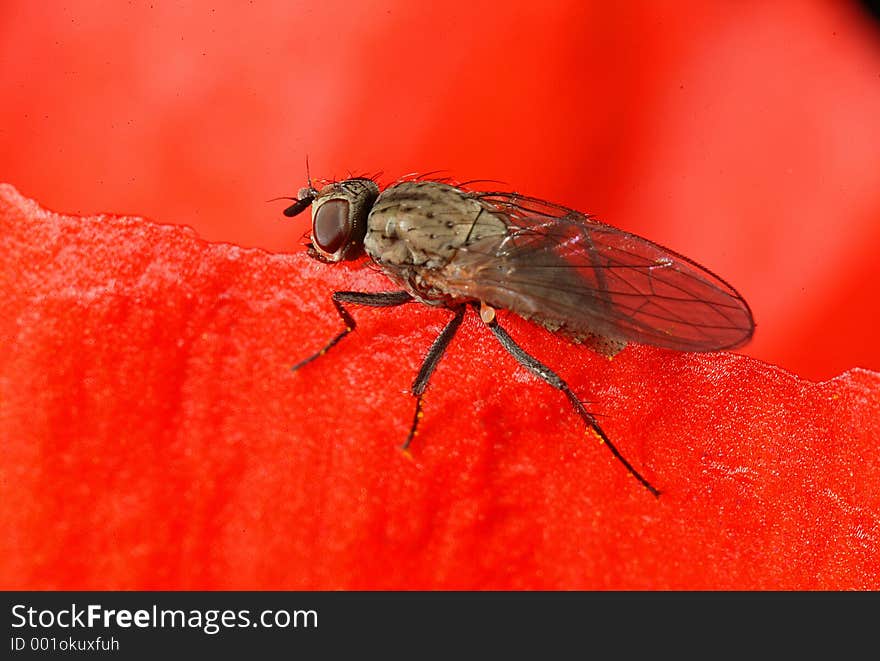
[(595, 282)]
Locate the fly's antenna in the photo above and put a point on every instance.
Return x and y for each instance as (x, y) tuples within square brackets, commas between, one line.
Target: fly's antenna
[(300, 204), (303, 199)]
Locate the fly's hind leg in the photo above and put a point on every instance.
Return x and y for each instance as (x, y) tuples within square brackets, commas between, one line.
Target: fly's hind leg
[(540, 370), (377, 300)]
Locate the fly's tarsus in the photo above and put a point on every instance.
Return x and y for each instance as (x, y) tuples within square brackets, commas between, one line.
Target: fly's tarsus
[(540, 370), (368, 299), (594, 425), (435, 353), (417, 416)]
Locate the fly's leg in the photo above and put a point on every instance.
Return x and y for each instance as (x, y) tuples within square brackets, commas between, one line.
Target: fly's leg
[(378, 300), (435, 353), (542, 371)]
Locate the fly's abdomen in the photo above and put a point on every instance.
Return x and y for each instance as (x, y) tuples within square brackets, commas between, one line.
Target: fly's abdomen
[(416, 228)]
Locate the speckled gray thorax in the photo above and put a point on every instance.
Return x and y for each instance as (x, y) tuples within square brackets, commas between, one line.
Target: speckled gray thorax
[(416, 228)]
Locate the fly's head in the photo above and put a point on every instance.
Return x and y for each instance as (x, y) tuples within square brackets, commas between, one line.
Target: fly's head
[(339, 217)]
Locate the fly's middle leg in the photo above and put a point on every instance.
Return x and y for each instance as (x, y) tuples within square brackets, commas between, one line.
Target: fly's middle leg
[(377, 300), (540, 370), (435, 353)]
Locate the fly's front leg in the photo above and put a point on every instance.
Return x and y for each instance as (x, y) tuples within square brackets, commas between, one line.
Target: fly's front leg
[(435, 353), (540, 370), (378, 300)]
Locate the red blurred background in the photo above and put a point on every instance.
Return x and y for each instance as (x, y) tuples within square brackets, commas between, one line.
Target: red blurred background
[(744, 135)]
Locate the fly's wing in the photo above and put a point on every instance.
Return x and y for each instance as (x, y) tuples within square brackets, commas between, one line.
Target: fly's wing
[(590, 280)]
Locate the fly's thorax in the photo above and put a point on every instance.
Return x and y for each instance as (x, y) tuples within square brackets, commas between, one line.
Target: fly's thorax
[(424, 224), (339, 218)]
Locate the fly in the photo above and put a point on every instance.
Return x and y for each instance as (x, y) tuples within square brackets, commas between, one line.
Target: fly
[(446, 246)]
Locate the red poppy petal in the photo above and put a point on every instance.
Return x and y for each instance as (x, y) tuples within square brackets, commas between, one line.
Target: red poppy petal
[(154, 437)]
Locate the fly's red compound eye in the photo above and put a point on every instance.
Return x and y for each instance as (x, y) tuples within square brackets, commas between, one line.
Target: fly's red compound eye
[(331, 226), (339, 219)]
